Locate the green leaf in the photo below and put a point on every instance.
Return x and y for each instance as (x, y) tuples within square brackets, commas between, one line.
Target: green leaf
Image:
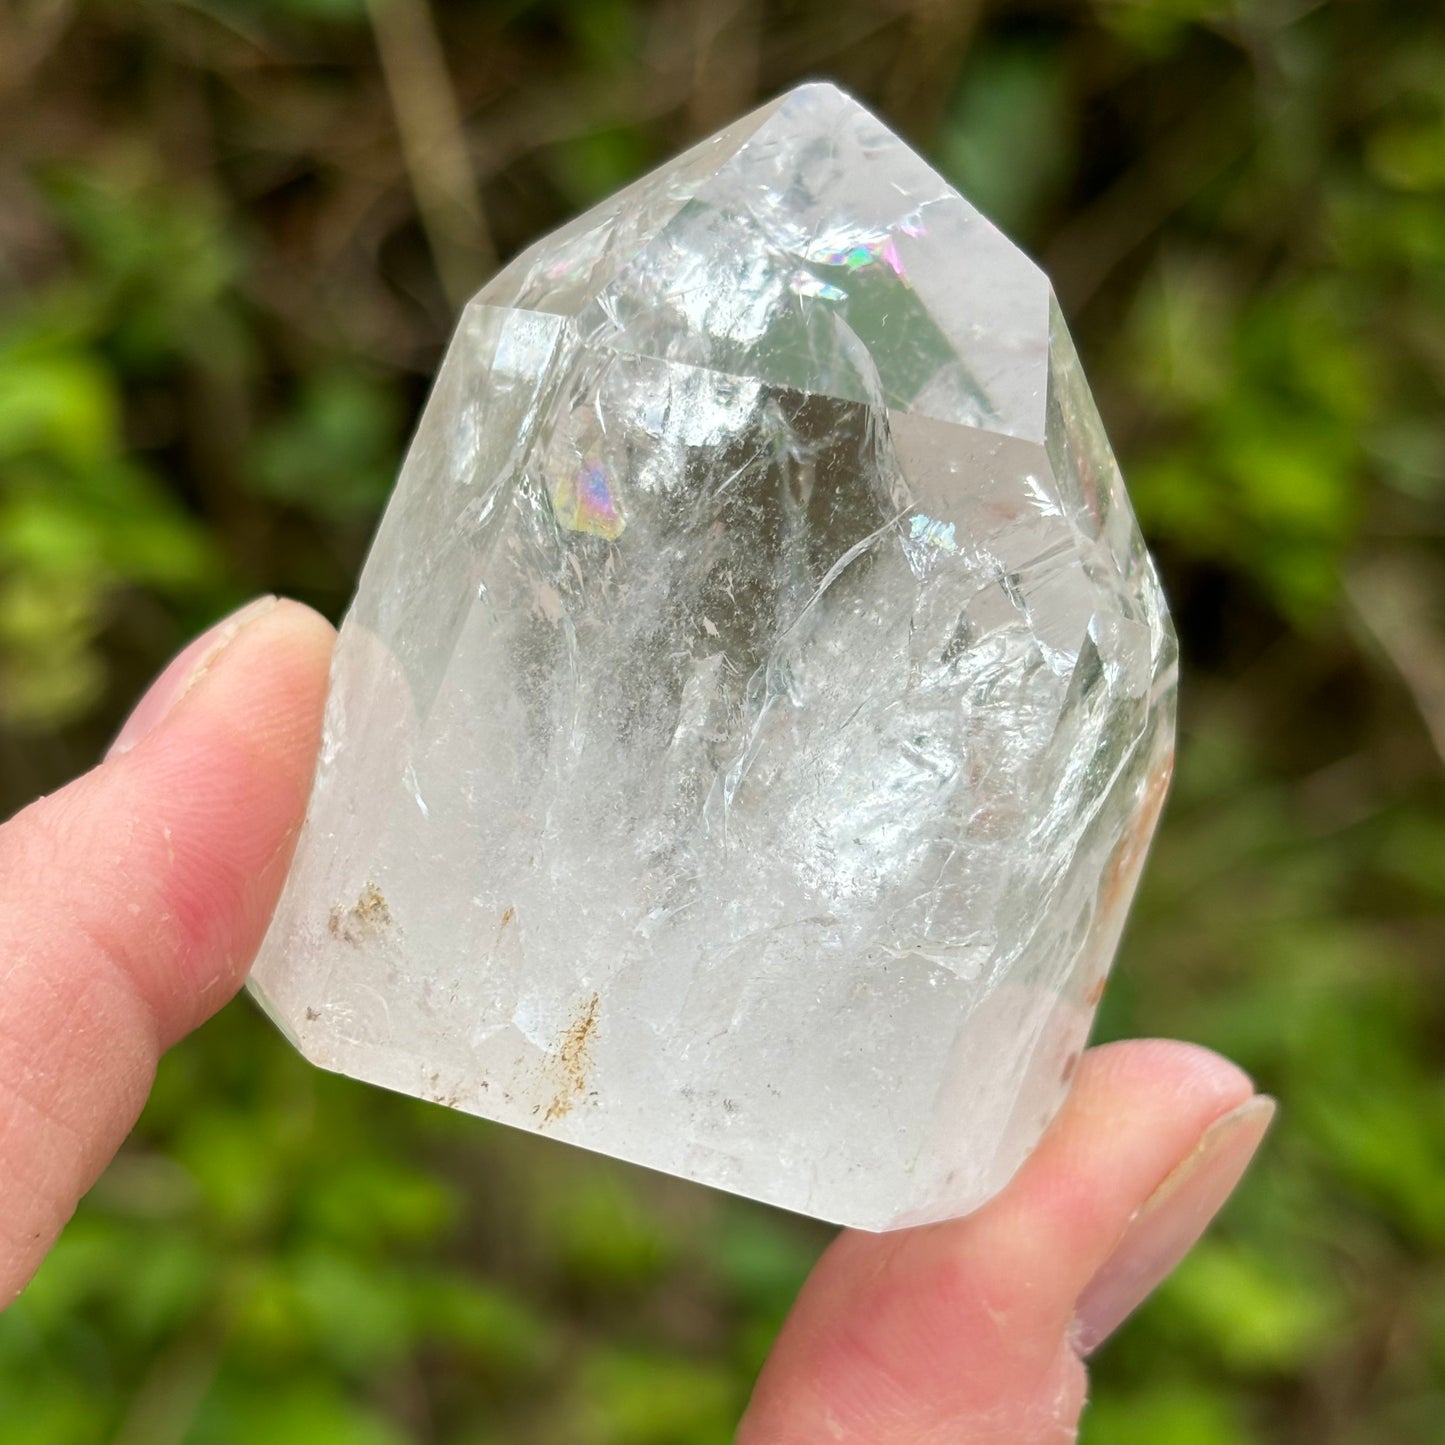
[(290, 1412), (358, 1311), (605, 1236), (491, 1325), (1257, 1313), (60, 403), (635, 1398), (336, 451), (1007, 143), (590, 166), (1164, 1413)]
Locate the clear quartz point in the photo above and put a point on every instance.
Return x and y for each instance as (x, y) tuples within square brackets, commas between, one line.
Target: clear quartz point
[(748, 730)]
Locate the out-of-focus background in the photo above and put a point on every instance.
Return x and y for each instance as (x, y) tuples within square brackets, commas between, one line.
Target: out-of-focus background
[(233, 237)]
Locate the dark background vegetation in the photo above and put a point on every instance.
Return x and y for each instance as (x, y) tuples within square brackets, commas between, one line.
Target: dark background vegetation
[(233, 237)]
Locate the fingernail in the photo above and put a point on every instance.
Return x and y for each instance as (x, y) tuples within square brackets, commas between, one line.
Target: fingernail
[(181, 675), (1169, 1222)]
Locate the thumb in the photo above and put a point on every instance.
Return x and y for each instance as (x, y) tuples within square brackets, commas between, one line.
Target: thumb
[(133, 900), (975, 1329)]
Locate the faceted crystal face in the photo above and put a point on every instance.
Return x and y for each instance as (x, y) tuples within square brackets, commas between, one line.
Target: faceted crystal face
[(758, 700)]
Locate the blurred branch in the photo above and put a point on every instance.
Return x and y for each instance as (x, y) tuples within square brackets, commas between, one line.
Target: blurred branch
[(550, 111), (1088, 248), (929, 59), (24, 43), (548, 114), (725, 64), (1392, 600), (166, 1402), (434, 144), (814, 39)]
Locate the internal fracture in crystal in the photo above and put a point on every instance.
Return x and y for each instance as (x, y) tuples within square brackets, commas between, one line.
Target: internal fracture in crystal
[(747, 733)]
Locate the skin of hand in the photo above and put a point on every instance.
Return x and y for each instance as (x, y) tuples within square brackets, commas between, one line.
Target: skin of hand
[(131, 905)]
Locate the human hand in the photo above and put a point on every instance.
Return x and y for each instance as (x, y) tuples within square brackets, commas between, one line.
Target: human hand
[(132, 902)]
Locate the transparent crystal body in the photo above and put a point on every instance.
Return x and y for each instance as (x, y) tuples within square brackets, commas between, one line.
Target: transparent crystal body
[(757, 702)]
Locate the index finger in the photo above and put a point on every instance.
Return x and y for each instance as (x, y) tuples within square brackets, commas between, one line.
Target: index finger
[(133, 900)]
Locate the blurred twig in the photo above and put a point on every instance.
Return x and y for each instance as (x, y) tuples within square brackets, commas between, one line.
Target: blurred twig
[(434, 144), (167, 1400), (1098, 239), (725, 64), (928, 61), (1392, 600), (25, 43)]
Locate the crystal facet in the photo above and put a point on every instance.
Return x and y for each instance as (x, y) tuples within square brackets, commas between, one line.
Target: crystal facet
[(755, 709)]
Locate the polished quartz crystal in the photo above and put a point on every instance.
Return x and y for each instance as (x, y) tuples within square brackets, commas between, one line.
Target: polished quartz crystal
[(758, 700)]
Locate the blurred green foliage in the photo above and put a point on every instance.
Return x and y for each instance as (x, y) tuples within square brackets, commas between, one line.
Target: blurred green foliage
[(222, 289)]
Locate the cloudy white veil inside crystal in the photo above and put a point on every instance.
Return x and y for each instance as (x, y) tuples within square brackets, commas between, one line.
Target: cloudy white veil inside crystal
[(755, 708)]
